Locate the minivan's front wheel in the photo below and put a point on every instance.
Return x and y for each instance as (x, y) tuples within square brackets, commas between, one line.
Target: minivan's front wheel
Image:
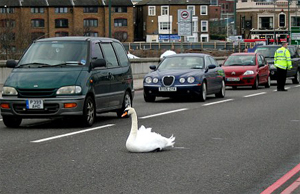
[(11, 121), (127, 101), (89, 112), (296, 79)]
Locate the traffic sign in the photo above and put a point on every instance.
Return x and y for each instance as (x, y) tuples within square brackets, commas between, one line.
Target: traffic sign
[(184, 22)]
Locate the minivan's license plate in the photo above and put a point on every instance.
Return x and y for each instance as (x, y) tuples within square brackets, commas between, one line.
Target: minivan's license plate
[(167, 89), (34, 104)]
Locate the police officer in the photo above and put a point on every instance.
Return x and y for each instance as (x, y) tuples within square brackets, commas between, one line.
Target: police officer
[(282, 60)]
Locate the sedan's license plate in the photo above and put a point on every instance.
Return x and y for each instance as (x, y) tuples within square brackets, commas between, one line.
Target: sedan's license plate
[(34, 104), (233, 79), (167, 89)]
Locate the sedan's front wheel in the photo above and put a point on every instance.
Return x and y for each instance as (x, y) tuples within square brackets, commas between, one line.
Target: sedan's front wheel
[(203, 92), (221, 94)]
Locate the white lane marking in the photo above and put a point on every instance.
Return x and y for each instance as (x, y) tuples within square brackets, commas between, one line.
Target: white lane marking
[(297, 86), (163, 113), (284, 88), (1, 120), (69, 134), (181, 148), (255, 94), (212, 103)]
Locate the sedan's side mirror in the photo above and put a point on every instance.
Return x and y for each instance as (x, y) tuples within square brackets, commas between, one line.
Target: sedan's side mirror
[(152, 67), (99, 63), (11, 63)]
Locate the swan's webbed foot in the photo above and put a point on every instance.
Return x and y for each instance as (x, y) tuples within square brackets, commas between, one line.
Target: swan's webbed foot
[(157, 150)]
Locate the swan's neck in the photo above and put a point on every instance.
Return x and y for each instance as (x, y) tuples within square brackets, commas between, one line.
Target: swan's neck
[(134, 124)]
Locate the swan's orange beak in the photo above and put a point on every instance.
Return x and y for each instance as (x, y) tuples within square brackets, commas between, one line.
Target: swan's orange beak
[(124, 114)]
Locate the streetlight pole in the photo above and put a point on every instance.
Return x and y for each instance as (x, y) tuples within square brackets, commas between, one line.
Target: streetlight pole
[(274, 37), (169, 20), (289, 21), (109, 18), (5, 35)]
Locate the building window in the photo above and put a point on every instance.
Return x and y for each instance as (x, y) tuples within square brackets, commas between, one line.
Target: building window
[(295, 21), (37, 10), (7, 10), (59, 34), (204, 38), (151, 11), (213, 2), (120, 22), (204, 27), (195, 25), (90, 10), (61, 10), (164, 26), (203, 10), (37, 23), (61, 23), (90, 23), (164, 10), (265, 23), (120, 9), (282, 20), (93, 34), (192, 7), (7, 23)]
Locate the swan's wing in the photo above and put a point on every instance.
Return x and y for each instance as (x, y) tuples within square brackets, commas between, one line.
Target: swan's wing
[(143, 129)]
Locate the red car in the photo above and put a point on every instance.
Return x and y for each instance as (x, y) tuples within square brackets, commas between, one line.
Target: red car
[(246, 69)]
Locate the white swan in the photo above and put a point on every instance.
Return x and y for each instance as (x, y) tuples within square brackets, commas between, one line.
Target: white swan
[(143, 140)]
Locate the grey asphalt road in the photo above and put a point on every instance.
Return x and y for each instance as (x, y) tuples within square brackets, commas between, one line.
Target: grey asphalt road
[(239, 144)]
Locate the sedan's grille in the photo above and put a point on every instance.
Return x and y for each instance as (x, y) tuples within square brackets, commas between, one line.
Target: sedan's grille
[(36, 93), (48, 109), (168, 80)]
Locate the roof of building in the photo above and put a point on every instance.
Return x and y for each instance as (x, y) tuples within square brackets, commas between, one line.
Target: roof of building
[(119, 2), (173, 2), (59, 3), (9, 3), (88, 3), (34, 3)]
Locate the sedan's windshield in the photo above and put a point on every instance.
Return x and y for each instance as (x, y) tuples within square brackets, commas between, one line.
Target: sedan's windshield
[(55, 53), (186, 62), (240, 60)]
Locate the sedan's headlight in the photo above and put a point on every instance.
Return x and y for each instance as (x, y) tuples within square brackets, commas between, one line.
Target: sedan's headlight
[(191, 79), (249, 72), (9, 91), (155, 80), (182, 80), (69, 90), (148, 80)]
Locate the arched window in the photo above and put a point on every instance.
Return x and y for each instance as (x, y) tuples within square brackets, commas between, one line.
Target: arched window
[(282, 20)]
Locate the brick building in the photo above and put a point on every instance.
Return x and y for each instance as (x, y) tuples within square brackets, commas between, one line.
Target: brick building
[(157, 20), (22, 21)]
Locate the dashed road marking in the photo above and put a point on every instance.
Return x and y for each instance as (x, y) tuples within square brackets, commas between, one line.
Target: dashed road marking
[(70, 134), (163, 113), (218, 102), (257, 94)]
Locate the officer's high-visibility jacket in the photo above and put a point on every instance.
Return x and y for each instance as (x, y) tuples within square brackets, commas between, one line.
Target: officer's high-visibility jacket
[(282, 58)]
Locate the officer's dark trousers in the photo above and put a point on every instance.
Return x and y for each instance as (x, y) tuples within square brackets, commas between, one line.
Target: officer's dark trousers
[(281, 77)]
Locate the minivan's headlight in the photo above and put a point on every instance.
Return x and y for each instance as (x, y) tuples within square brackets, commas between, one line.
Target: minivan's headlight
[(69, 90), (249, 72), (9, 91)]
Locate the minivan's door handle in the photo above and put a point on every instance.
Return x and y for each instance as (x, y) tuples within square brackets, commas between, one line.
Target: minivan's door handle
[(110, 76)]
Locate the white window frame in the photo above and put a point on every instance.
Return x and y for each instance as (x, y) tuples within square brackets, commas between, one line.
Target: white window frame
[(193, 8), (151, 10), (203, 6), (263, 16), (206, 21), (294, 16), (284, 20), (162, 10), (204, 35)]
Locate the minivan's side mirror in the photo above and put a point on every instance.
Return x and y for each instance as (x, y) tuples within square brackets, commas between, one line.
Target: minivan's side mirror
[(212, 66), (152, 67), (11, 63), (99, 63)]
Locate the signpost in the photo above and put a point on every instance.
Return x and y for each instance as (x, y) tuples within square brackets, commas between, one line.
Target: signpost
[(184, 24)]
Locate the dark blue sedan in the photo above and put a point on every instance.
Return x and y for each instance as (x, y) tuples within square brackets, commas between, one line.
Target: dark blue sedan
[(190, 74)]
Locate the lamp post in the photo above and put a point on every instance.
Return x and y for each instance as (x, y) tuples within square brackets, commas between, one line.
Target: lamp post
[(274, 24), (109, 18), (5, 35), (169, 21), (289, 21)]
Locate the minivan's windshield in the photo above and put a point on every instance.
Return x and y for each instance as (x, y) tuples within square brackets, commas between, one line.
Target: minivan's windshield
[(269, 52), (189, 62), (55, 53)]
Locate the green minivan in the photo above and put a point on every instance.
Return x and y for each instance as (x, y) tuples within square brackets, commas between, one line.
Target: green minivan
[(68, 76)]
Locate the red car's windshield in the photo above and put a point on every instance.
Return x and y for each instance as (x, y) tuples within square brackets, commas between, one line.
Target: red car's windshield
[(240, 60)]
